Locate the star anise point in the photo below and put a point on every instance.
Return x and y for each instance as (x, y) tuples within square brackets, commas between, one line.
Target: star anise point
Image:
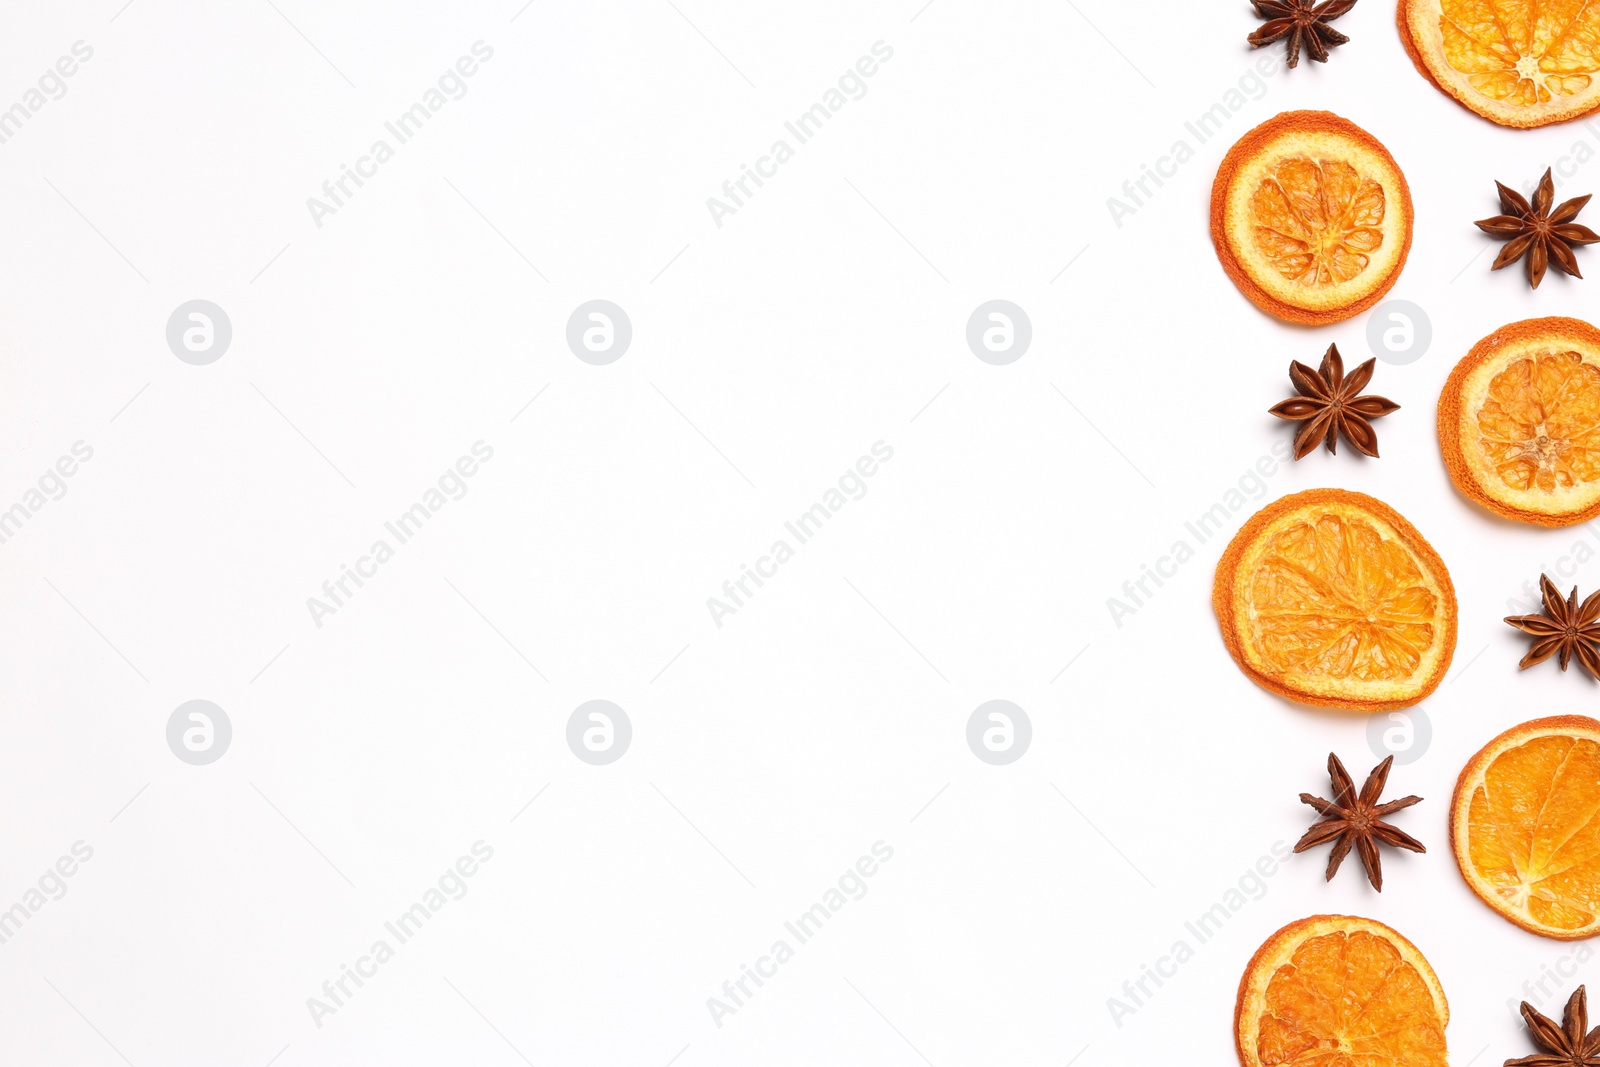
[(1353, 820), (1566, 1045), (1303, 23), (1565, 629), (1547, 238), (1330, 405)]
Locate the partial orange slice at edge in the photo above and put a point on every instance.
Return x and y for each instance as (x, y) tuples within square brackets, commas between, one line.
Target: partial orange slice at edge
[(1339, 989), (1520, 63), (1519, 422), (1525, 826)]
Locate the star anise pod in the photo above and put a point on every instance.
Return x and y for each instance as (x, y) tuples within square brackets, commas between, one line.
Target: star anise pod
[(1567, 627), (1572, 1044), (1356, 819), (1302, 22), (1545, 236), (1330, 404)]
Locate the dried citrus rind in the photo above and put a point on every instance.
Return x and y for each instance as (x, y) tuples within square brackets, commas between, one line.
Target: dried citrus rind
[(1525, 826), (1337, 989), (1519, 422), (1520, 63), (1311, 217), (1330, 597)]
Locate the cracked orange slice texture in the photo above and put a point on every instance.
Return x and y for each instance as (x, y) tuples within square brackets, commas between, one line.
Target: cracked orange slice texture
[(1330, 597), (1515, 62), (1525, 826), (1311, 217), (1519, 422), (1337, 989)]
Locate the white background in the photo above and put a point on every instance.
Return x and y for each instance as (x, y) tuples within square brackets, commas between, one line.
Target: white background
[(768, 354)]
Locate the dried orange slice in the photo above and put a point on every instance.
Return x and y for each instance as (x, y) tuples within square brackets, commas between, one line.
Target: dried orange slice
[(1519, 422), (1337, 989), (1311, 217), (1525, 826), (1515, 62), (1330, 597)]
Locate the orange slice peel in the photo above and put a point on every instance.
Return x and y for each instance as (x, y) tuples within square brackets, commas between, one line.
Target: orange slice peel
[(1519, 422), (1520, 63), (1330, 597), (1311, 217), (1525, 826), (1334, 989)]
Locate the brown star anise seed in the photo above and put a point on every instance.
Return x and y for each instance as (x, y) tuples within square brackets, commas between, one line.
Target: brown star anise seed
[(1302, 22), (1356, 819), (1572, 1044), (1330, 404), (1544, 236), (1566, 627)]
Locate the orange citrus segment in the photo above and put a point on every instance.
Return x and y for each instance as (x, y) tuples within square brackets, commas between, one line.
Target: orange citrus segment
[(1316, 222), (1335, 990), (1311, 217), (1525, 826), (1516, 62), (1330, 597), (1519, 421), (1540, 426)]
